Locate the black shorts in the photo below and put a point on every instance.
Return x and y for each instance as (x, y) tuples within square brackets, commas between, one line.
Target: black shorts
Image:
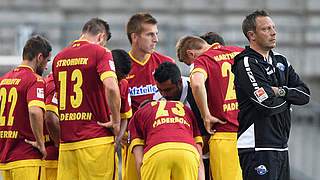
[(265, 165)]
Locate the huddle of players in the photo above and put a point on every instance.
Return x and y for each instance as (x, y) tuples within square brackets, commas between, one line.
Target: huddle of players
[(86, 104)]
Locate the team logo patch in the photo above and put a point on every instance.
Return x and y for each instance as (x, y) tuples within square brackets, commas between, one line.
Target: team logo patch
[(280, 66), (261, 170), (40, 93), (261, 94), (111, 64)]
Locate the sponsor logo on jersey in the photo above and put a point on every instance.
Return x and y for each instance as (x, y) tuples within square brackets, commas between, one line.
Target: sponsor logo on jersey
[(40, 93), (280, 66), (261, 170), (143, 90), (250, 74), (269, 71), (261, 94)]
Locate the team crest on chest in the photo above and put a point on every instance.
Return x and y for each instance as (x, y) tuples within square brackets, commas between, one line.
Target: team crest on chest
[(280, 66), (261, 170)]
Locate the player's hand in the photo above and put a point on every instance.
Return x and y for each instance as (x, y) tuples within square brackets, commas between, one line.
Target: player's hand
[(276, 91), (124, 139), (209, 122), (39, 146), (106, 124), (110, 125)]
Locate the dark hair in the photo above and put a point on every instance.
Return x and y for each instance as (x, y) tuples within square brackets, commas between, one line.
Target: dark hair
[(121, 60), (212, 37), (145, 102), (95, 26), (134, 24), (167, 70), (35, 45), (249, 23)]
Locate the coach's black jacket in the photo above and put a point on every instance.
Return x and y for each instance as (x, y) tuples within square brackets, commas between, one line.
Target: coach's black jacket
[(264, 119)]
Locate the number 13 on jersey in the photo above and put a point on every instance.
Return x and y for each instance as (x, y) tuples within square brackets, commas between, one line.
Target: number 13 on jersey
[(76, 99)]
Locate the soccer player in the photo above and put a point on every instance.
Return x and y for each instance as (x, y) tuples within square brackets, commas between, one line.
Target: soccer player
[(87, 91), (22, 146), (142, 32), (166, 141), (213, 90), (172, 86), (51, 120), (266, 86)]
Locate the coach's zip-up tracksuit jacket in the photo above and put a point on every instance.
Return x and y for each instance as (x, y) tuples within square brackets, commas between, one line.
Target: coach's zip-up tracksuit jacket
[(264, 119)]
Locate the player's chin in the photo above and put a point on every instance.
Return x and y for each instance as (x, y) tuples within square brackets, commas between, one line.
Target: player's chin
[(151, 51)]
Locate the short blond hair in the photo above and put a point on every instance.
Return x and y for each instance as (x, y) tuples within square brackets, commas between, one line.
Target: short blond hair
[(188, 43), (134, 24)]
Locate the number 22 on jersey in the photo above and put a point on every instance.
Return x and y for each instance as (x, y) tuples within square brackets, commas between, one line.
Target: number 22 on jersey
[(12, 98)]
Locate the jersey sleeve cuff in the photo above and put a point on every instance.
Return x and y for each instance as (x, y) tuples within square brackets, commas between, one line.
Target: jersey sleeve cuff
[(199, 140), (136, 142), (201, 71), (126, 115), (37, 103), (108, 74), (53, 108)]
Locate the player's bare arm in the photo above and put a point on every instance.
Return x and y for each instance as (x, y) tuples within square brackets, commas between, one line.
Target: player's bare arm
[(52, 124), (200, 96), (138, 155), (201, 174), (36, 122), (121, 139), (113, 99)]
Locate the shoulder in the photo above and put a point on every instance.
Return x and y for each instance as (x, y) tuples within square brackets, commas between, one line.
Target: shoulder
[(162, 57), (38, 78), (49, 77), (282, 58), (123, 84), (234, 48)]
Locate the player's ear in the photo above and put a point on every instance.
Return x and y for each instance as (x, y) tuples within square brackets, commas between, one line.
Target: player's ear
[(251, 35), (101, 39), (133, 37), (39, 57), (190, 54)]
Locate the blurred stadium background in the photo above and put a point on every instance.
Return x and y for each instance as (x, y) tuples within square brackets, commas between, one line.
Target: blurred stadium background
[(297, 23)]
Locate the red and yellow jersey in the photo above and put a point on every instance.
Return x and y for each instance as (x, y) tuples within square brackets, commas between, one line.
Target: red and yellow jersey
[(142, 85), (51, 102), (79, 71), (20, 89), (215, 64), (162, 122), (125, 110)]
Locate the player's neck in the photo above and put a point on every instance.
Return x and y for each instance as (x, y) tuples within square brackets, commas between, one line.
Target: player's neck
[(29, 63), (139, 55), (263, 52)]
